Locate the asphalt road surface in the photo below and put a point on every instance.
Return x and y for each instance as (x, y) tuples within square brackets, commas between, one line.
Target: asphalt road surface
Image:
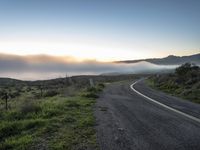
[(129, 121)]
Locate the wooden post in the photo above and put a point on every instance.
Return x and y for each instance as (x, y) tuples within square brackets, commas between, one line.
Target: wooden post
[(91, 82), (70, 80), (41, 91), (6, 100)]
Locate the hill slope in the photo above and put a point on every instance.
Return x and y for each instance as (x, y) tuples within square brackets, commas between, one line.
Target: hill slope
[(185, 82), (170, 60)]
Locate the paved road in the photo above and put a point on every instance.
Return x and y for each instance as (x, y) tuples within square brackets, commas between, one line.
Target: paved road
[(128, 121)]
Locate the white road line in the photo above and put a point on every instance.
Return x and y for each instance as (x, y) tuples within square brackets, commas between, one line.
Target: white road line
[(163, 105)]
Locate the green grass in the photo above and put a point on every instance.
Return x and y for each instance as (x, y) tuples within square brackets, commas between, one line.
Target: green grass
[(54, 122), (59, 119), (92, 92), (17, 142)]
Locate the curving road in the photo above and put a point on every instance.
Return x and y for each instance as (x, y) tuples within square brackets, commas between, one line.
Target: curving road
[(127, 120)]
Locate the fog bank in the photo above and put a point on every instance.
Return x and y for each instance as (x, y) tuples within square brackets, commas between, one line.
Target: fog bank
[(34, 67)]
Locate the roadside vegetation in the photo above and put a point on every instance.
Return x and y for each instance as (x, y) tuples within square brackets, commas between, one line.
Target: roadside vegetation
[(55, 122), (184, 82), (54, 114)]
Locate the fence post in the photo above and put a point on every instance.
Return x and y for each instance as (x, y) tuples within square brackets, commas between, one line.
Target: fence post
[(6, 99), (91, 82)]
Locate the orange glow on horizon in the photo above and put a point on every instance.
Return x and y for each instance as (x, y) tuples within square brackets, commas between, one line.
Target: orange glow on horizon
[(86, 51)]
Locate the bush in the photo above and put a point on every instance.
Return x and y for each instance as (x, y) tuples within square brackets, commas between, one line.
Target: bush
[(101, 85), (182, 70), (72, 103), (90, 95), (50, 93), (30, 107), (187, 72), (18, 143), (15, 94), (185, 82), (92, 92), (9, 129), (30, 124), (92, 89)]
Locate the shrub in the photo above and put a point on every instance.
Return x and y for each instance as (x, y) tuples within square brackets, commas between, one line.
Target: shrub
[(92, 89), (181, 71), (30, 107), (51, 112), (185, 82), (91, 92), (101, 85), (18, 143), (90, 95), (9, 129), (72, 103), (30, 124), (50, 93)]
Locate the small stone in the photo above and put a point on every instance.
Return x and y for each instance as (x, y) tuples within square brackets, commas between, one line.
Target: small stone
[(116, 138), (120, 129)]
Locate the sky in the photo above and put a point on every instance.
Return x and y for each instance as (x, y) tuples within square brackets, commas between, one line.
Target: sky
[(102, 30)]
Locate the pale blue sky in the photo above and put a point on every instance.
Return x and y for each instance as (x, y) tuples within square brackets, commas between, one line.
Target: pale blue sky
[(100, 29)]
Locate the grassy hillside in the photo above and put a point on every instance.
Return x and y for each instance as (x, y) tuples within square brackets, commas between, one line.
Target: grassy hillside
[(184, 82)]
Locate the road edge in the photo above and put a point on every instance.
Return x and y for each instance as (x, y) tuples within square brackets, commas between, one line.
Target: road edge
[(161, 104)]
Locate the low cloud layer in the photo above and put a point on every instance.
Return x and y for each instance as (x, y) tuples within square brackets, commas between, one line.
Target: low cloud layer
[(35, 67)]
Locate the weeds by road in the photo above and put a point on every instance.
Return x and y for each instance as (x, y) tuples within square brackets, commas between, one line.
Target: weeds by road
[(56, 122), (184, 83)]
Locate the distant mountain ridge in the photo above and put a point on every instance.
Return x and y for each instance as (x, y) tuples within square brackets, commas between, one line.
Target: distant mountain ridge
[(170, 60)]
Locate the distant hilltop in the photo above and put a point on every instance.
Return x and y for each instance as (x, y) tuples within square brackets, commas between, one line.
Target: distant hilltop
[(170, 60)]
